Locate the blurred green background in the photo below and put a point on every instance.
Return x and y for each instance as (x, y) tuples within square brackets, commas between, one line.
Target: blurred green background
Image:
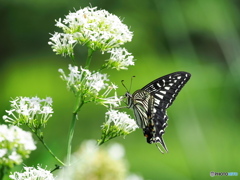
[(197, 36)]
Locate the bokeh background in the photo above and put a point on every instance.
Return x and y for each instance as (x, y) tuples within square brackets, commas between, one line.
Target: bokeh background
[(197, 36)]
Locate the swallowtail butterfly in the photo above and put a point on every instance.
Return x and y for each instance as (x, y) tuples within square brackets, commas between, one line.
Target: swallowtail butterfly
[(150, 103)]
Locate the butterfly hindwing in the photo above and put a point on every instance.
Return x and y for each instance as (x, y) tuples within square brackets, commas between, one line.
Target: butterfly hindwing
[(142, 107)]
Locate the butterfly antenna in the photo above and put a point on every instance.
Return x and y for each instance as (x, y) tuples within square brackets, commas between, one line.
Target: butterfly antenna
[(124, 85), (131, 83)]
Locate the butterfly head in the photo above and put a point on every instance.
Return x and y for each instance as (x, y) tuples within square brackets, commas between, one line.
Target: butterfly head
[(129, 99), (127, 94)]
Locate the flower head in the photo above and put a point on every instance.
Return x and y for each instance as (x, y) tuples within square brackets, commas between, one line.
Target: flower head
[(97, 29), (82, 80), (15, 144), (33, 174), (89, 84), (121, 120), (34, 111), (116, 124), (120, 59), (93, 162)]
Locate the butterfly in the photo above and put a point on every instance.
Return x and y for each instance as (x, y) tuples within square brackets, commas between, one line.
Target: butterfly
[(150, 103)]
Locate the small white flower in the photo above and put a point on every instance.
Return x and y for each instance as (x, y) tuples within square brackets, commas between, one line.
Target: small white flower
[(120, 59), (32, 173), (32, 111), (15, 144), (46, 110), (48, 100), (115, 100), (62, 43), (96, 81)]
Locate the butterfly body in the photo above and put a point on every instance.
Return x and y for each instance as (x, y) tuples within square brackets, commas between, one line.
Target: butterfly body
[(149, 104)]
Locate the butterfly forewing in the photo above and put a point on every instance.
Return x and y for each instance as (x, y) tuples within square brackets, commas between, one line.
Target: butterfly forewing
[(150, 103), (166, 88)]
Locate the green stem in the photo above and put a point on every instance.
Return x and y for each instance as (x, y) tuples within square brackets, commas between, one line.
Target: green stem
[(71, 130), (70, 137), (102, 140), (48, 149), (104, 66), (2, 173), (106, 136), (89, 58), (72, 57), (40, 137)]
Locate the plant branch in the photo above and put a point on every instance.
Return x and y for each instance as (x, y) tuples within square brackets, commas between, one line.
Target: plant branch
[(48, 149), (2, 172), (40, 137), (89, 58), (72, 127)]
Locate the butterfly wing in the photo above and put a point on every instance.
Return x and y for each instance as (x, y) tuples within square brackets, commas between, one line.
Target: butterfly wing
[(142, 104), (166, 88), (164, 91)]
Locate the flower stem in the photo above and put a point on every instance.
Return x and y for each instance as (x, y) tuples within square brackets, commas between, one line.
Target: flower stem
[(48, 149), (104, 140), (71, 130), (106, 135), (89, 58), (101, 141), (40, 137), (70, 137), (2, 172)]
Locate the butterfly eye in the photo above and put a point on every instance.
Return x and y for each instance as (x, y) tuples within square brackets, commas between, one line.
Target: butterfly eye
[(127, 94)]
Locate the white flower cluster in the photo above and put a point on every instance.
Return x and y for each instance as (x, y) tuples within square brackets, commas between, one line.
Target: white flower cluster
[(116, 124), (31, 173), (97, 29), (34, 111), (80, 80), (120, 59), (92, 162), (84, 82), (121, 120), (15, 144)]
